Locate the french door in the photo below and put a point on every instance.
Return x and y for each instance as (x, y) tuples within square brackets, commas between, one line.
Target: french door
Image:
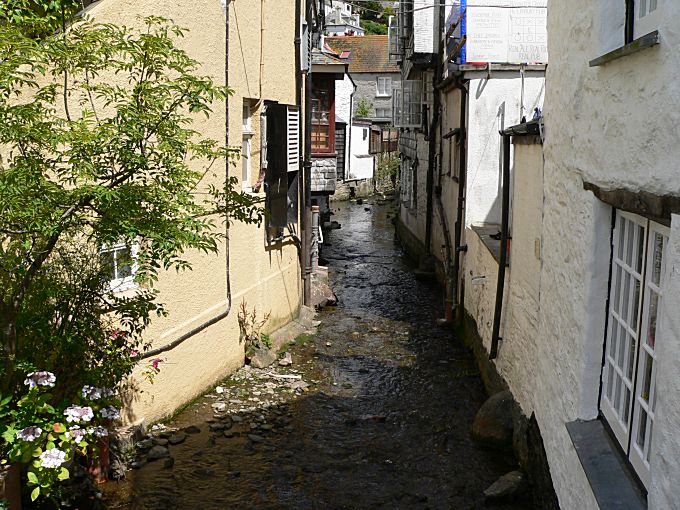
[(628, 376)]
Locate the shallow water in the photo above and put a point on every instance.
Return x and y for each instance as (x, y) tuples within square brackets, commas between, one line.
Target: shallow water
[(385, 422)]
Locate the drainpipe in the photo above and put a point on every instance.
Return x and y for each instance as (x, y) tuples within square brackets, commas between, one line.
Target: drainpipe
[(349, 137), (307, 174), (432, 155), (500, 285), (301, 172), (223, 315), (462, 191)]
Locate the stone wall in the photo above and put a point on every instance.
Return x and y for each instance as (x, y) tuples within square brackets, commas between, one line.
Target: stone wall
[(367, 89), (324, 174)]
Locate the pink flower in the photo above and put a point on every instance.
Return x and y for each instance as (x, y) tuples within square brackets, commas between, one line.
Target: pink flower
[(110, 413), (29, 433), (40, 379), (52, 458), (78, 414), (155, 362)]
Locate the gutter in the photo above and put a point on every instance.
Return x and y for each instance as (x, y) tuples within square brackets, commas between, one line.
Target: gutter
[(223, 315)]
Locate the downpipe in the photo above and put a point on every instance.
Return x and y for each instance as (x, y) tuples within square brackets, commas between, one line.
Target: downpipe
[(462, 191), (500, 284)]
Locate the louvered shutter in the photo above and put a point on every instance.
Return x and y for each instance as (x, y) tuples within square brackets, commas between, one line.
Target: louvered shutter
[(293, 138)]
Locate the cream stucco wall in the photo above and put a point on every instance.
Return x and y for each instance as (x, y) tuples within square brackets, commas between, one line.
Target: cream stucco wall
[(265, 277)]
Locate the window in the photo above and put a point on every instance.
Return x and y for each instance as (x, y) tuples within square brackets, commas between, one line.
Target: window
[(383, 86), (246, 148), (407, 104), (283, 160), (383, 113), (628, 376), (646, 17), (120, 262), (323, 116)]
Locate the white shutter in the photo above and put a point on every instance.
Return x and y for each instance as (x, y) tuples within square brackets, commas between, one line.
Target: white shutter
[(305, 46), (293, 139)]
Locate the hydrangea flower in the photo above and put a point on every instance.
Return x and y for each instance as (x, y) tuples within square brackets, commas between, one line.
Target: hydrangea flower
[(98, 431), (52, 458), (76, 433), (29, 433), (110, 413), (93, 393), (40, 379), (78, 414)]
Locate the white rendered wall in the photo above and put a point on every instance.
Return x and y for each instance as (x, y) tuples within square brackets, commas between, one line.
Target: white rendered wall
[(424, 26), (614, 126), (494, 104), (361, 166)]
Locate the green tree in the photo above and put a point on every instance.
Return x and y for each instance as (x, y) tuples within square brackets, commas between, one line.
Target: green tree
[(364, 108), (98, 148)]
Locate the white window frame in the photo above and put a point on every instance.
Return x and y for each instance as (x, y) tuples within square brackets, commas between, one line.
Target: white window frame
[(387, 113), (386, 89), (622, 401), (247, 119), (246, 162), (647, 17), (127, 282)]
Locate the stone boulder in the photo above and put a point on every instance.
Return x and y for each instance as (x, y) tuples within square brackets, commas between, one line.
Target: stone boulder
[(506, 489), (493, 425), (261, 357)]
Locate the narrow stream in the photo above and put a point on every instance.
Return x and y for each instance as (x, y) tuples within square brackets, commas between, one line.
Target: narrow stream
[(382, 419)]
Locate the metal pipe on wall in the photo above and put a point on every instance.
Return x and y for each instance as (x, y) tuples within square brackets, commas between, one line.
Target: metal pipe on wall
[(505, 214), (462, 183), (224, 314), (307, 173)]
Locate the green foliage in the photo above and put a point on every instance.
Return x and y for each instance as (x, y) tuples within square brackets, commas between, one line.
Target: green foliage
[(47, 434), (388, 166), (364, 108), (373, 27), (250, 326), (98, 148)]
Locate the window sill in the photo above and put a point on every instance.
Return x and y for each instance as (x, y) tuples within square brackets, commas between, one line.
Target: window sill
[(493, 245), (610, 476), (646, 41)]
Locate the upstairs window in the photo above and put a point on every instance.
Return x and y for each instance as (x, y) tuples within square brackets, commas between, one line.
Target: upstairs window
[(323, 115), (384, 86), (633, 335), (646, 17)]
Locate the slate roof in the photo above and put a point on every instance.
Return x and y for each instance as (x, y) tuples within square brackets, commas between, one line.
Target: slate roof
[(327, 56), (368, 54)]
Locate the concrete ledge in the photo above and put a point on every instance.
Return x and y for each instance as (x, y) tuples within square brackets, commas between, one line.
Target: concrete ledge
[(610, 477)]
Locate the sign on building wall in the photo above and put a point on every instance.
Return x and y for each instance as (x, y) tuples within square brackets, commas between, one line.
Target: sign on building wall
[(503, 31)]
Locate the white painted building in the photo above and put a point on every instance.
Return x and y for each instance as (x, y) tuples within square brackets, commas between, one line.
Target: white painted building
[(341, 20), (609, 326)]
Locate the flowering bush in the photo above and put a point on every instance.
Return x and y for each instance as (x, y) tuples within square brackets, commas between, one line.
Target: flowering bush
[(47, 436)]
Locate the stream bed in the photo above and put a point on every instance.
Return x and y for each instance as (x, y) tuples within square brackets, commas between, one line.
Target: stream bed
[(375, 410)]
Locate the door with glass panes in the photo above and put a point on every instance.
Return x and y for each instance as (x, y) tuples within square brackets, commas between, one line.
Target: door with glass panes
[(628, 376)]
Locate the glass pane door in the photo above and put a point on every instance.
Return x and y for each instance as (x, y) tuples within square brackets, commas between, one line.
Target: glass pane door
[(630, 234), (643, 407)]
